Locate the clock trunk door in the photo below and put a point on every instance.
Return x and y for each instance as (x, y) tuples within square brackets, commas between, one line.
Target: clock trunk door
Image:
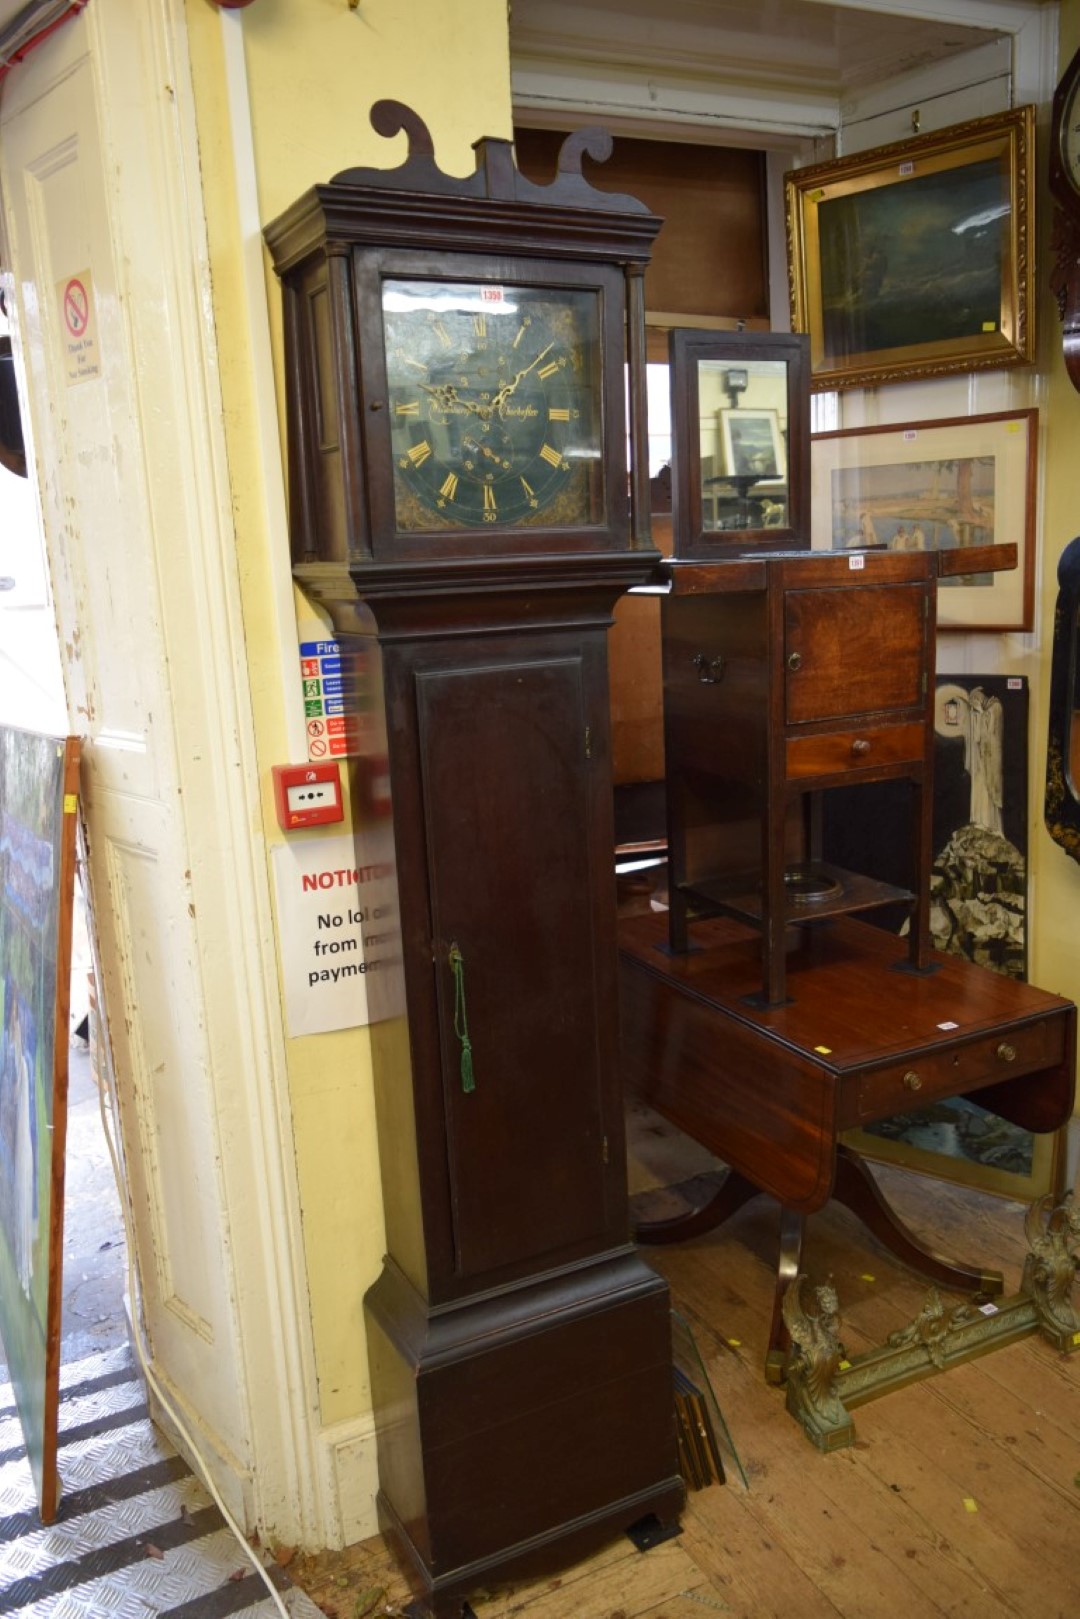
[(508, 801)]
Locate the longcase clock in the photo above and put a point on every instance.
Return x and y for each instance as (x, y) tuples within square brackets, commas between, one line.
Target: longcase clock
[(461, 501)]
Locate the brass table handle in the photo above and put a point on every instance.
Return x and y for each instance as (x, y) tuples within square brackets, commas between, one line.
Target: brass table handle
[(912, 1082), (710, 670), (795, 660), (1006, 1052), (860, 745)]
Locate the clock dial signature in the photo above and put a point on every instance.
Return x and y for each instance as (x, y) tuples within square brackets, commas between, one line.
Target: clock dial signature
[(494, 404)]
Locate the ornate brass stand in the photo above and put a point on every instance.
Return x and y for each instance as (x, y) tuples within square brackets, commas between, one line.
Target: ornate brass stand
[(823, 1385)]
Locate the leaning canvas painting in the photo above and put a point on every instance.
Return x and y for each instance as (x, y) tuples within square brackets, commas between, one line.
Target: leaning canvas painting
[(38, 800)]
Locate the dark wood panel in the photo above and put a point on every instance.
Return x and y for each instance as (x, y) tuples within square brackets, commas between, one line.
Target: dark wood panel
[(505, 767)]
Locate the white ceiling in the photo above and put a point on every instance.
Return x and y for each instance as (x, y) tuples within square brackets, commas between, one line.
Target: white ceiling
[(834, 49)]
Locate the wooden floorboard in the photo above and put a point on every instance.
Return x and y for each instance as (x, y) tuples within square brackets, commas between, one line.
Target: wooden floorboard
[(960, 1497)]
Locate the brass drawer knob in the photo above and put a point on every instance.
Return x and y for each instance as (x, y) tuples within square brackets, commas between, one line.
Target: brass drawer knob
[(860, 745), (795, 660), (912, 1082), (1006, 1052)]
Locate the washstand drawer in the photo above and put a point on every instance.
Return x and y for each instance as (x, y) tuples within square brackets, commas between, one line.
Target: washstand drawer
[(904, 1086), (839, 751)]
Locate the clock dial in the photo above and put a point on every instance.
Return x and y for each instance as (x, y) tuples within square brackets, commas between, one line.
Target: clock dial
[(494, 404)]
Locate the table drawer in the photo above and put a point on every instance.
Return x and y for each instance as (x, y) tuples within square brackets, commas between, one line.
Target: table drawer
[(983, 1061), (840, 751)]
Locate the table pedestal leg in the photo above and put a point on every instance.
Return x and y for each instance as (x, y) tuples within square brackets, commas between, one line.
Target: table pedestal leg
[(792, 1231), (858, 1191), (729, 1197)]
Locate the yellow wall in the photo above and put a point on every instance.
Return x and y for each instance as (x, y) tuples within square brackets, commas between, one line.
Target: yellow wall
[(313, 68), (1056, 877)]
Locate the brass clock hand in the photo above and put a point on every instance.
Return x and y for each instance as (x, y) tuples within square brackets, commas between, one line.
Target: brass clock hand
[(447, 396), (508, 387)]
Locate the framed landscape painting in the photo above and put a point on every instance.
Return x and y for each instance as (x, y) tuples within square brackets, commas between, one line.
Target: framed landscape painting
[(916, 259), (968, 481), (752, 445)]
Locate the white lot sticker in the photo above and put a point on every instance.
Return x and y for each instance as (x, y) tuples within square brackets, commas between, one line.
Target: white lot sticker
[(948, 1025)]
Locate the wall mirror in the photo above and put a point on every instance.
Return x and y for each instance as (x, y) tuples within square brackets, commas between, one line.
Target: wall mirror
[(740, 409), (1062, 808)]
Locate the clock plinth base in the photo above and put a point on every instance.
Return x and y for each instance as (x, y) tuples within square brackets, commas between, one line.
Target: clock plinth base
[(520, 1431)]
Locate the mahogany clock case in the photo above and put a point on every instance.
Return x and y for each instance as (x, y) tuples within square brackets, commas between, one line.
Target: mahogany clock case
[(519, 1345)]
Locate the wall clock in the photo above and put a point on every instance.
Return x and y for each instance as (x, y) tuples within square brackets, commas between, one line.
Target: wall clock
[(1064, 178), (463, 504)]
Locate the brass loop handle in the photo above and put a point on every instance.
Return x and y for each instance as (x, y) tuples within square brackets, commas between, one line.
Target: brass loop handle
[(1006, 1052), (794, 660), (709, 669), (912, 1081), (860, 745)]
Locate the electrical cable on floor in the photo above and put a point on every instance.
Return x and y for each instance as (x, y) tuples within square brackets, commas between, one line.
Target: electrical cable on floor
[(106, 1069)]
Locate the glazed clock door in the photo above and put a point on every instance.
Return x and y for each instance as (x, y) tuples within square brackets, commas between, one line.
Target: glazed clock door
[(533, 1143), (493, 415)]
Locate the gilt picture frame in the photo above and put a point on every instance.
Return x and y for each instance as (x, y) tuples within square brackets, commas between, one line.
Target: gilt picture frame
[(916, 259), (965, 481)]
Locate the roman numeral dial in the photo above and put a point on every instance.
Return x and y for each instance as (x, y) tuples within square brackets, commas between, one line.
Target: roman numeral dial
[(494, 411)]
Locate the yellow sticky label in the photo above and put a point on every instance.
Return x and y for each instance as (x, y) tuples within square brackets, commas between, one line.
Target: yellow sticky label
[(736, 1343), (826, 1051), (1076, 1337), (1012, 427), (845, 1366), (970, 1504), (989, 325), (71, 803), (866, 1277), (816, 196)]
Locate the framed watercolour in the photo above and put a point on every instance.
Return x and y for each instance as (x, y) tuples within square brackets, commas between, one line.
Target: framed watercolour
[(967, 481), (751, 445), (916, 259)]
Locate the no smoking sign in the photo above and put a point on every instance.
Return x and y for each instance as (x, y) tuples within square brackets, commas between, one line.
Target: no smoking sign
[(75, 295)]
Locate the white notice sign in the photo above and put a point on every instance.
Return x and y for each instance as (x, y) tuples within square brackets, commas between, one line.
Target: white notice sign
[(337, 928)]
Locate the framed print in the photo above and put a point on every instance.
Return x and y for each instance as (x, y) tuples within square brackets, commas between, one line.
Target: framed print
[(751, 445), (916, 259), (965, 482)]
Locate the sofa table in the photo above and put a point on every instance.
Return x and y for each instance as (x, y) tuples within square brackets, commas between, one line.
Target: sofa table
[(770, 1089)]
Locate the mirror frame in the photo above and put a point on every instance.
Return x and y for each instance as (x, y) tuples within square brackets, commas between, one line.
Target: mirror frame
[(687, 348), (1062, 806)]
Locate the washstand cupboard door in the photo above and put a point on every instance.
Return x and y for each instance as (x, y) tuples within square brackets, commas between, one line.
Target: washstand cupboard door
[(854, 651), (534, 1133)]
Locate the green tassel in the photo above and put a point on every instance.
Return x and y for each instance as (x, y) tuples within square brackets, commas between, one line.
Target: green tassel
[(461, 1021)]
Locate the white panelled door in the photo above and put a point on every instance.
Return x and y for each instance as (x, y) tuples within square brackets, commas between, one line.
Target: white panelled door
[(97, 170)]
